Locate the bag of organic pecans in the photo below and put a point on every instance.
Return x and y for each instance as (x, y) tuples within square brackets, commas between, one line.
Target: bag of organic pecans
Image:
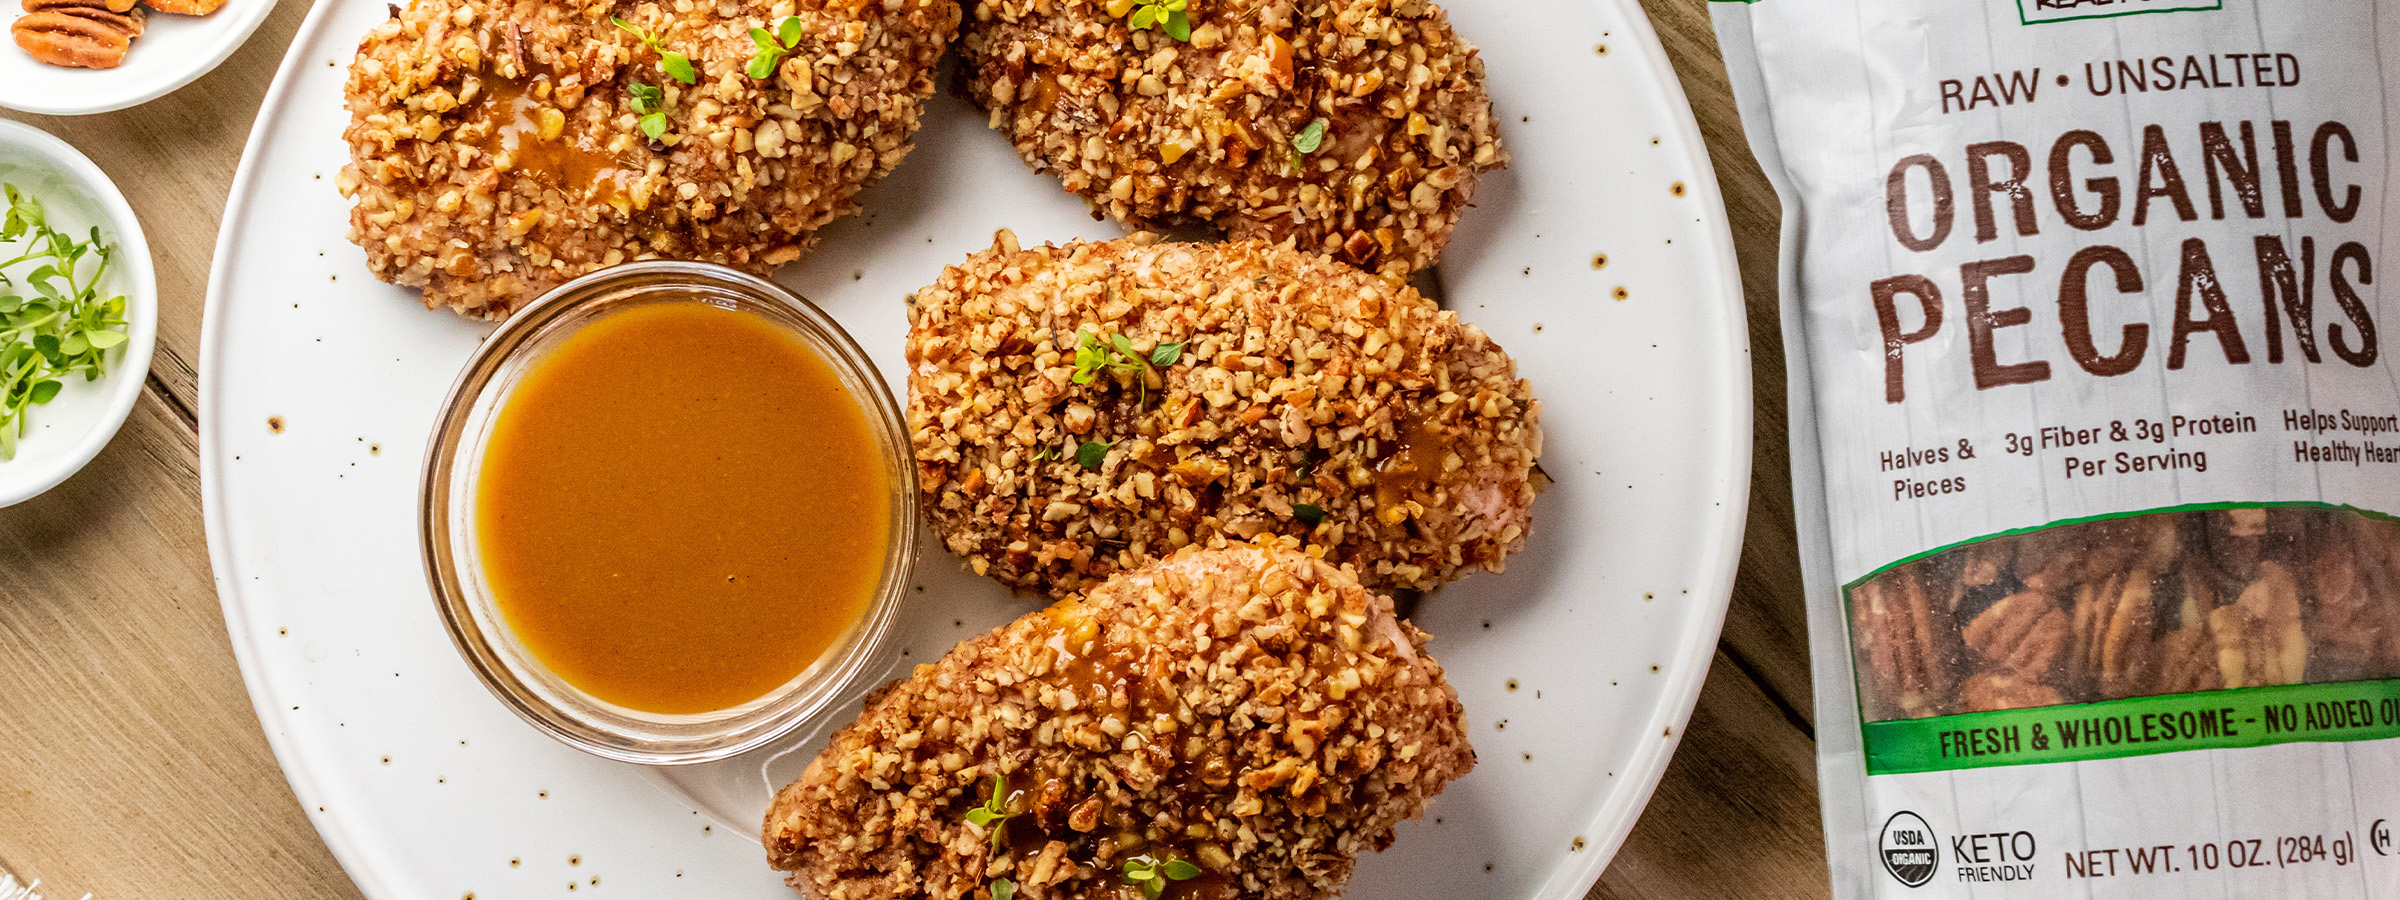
[(2095, 439)]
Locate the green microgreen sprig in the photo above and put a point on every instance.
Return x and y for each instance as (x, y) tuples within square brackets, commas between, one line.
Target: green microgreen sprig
[(1309, 140), (1168, 16), (1115, 353), (1309, 514), (676, 65), (63, 328), (651, 104), (1152, 874), (993, 815), (1092, 454), (1004, 889), (774, 46)]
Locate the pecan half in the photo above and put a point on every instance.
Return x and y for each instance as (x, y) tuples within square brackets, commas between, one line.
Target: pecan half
[(1998, 690), (1907, 647), (2187, 652), (123, 15), (2259, 637), (2060, 560), (2021, 635), (186, 7), (2113, 625), (86, 34), (2354, 622)]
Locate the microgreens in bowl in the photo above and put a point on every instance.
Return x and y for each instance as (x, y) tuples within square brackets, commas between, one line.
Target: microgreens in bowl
[(54, 325)]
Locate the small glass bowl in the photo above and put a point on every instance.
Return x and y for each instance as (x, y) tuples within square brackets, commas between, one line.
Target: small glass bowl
[(446, 522)]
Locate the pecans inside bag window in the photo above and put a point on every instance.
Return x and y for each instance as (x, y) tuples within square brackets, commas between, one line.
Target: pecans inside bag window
[(2164, 603)]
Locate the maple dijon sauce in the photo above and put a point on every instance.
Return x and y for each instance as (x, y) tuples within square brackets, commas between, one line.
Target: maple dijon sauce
[(681, 507)]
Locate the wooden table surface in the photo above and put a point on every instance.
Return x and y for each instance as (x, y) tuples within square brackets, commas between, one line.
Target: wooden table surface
[(131, 765)]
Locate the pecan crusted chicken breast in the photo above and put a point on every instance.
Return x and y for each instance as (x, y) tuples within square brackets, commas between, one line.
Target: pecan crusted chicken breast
[(1356, 127), (501, 147), (1083, 409), (1232, 723)]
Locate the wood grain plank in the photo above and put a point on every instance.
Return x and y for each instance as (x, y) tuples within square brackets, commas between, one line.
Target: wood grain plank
[(133, 764), (174, 159), (1736, 815)]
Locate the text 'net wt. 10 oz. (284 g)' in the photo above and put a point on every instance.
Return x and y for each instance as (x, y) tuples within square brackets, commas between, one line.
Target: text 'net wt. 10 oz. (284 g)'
[(2096, 440)]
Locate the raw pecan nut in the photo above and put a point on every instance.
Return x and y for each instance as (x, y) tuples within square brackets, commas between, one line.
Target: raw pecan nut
[(2259, 637), (2187, 652), (185, 7), (2354, 622), (2113, 627), (2057, 561), (2020, 635), (123, 15), (1999, 690), (1908, 645), (84, 34)]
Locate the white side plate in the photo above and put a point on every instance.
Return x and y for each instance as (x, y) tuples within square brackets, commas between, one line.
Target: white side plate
[(64, 434), (1577, 666), (173, 51)]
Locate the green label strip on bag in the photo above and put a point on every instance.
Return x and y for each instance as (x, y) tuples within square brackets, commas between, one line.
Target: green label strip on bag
[(2139, 726)]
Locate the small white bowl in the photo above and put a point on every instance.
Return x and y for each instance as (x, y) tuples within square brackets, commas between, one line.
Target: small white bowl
[(67, 432), (173, 51)]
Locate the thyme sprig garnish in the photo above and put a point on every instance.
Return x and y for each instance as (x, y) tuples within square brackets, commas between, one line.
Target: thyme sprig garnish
[(1151, 874), (63, 328), (677, 66), (773, 46)]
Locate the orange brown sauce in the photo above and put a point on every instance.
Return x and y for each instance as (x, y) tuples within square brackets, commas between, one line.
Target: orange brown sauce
[(508, 112), (1413, 462), (681, 508)]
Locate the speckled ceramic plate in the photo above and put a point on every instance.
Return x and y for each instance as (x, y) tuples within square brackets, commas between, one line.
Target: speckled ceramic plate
[(1600, 259), (173, 51)]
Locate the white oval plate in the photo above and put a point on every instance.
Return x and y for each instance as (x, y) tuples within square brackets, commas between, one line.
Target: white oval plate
[(1577, 666), (173, 51), (64, 434)]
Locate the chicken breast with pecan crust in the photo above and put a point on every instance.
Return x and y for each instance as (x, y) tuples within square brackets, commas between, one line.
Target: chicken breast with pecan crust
[(1085, 409), (501, 147), (1231, 723), (1354, 127)]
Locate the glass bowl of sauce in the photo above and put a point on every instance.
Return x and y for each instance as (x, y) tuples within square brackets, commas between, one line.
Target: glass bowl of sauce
[(667, 512)]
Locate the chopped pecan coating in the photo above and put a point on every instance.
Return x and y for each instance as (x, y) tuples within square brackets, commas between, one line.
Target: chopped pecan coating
[(497, 149), (1303, 397), (1251, 710), (1157, 132)]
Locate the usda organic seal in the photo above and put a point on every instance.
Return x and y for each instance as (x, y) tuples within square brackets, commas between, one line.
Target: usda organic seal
[(1908, 849)]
